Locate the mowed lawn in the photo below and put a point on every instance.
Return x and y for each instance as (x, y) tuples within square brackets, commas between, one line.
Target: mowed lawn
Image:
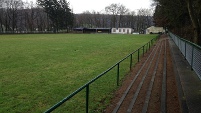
[(37, 71)]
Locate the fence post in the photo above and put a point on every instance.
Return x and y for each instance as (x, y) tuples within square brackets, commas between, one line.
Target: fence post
[(146, 47), (185, 50), (180, 44), (87, 98), (131, 60), (118, 74), (149, 45), (138, 54), (192, 57)]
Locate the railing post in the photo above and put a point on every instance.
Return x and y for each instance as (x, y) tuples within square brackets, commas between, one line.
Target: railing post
[(185, 49), (131, 60), (192, 57), (149, 45), (146, 47), (152, 42), (118, 74), (138, 55), (87, 98)]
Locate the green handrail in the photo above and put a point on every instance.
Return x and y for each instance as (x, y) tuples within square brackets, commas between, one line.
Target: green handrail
[(100, 75)]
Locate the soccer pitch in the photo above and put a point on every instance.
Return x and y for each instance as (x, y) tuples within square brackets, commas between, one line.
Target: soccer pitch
[(39, 70)]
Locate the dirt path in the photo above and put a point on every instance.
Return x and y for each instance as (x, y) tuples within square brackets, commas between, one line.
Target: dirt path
[(151, 85)]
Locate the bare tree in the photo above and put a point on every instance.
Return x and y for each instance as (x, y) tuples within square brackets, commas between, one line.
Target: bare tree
[(85, 19), (1, 20), (96, 19), (124, 18), (1, 17), (122, 11), (105, 20), (43, 22), (12, 13), (31, 15), (132, 19), (114, 10), (143, 19)]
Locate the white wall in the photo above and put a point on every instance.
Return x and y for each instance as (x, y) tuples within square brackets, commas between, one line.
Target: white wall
[(122, 30), (153, 29)]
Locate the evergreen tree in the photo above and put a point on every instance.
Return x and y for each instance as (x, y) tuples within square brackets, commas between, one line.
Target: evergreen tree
[(59, 13)]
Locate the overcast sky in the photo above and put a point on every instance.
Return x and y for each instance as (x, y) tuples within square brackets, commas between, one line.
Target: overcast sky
[(79, 6)]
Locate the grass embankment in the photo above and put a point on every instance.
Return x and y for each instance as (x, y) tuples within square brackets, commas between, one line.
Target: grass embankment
[(37, 71)]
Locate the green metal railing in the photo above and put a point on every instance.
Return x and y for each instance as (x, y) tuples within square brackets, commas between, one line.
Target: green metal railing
[(144, 48)]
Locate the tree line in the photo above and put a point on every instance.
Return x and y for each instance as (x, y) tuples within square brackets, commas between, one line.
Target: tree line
[(183, 17), (139, 20), (46, 15), (56, 16)]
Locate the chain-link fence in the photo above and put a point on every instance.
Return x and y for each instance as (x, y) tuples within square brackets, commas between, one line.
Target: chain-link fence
[(191, 51)]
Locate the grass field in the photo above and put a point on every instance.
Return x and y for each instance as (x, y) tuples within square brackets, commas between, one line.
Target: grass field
[(37, 71)]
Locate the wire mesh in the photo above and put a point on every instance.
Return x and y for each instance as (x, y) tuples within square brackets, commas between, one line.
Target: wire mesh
[(197, 61), (191, 52), (182, 47)]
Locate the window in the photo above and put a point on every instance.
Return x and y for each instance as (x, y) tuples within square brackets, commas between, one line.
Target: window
[(114, 30), (119, 30), (127, 31), (124, 30)]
